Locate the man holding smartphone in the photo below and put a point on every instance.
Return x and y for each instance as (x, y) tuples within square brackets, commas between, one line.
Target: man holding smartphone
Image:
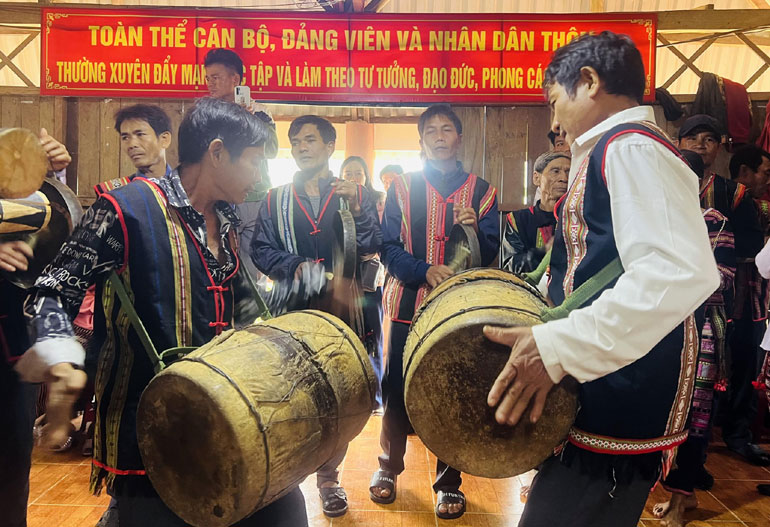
[(224, 74)]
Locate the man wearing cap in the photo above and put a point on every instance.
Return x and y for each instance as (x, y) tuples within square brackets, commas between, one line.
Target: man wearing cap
[(703, 134)]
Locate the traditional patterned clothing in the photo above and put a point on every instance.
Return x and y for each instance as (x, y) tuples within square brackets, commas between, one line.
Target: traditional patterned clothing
[(711, 370), (419, 213), (527, 235), (627, 345)]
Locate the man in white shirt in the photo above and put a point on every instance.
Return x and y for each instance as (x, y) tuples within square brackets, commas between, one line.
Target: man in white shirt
[(632, 206)]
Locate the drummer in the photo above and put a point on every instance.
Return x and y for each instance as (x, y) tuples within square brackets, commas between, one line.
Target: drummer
[(17, 399), (294, 241), (529, 231), (172, 245), (633, 344), (420, 210)]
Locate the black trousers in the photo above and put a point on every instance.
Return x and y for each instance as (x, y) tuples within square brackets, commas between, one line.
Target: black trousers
[(564, 496), (137, 511), (17, 418), (745, 363), (395, 421)]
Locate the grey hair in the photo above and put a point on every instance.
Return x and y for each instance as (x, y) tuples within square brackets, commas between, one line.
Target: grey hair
[(543, 160)]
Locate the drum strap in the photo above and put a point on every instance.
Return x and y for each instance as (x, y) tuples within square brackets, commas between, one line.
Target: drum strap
[(585, 291), (158, 360)]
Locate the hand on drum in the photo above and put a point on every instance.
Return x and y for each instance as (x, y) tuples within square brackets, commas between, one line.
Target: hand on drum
[(15, 256), (437, 274), (523, 378)]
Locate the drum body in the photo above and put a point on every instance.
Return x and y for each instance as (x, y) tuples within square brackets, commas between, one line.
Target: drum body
[(242, 420), (449, 368)]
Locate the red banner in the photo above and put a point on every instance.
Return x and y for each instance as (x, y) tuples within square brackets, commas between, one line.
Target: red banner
[(320, 57)]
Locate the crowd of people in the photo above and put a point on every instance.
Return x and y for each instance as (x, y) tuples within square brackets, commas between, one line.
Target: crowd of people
[(669, 344)]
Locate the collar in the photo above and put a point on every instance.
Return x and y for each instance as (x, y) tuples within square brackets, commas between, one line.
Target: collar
[(139, 173), (589, 138), (177, 198), (324, 183)]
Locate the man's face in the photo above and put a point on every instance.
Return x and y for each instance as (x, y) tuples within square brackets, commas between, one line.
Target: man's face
[(221, 82), (757, 182), (238, 177), (553, 180), (139, 142), (387, 179), (570, 114), (705, 143), (354, 172), (440, 140), (309, 150)]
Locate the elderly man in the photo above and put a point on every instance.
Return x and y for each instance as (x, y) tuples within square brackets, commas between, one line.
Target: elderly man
[(631, 212), (529, 232)]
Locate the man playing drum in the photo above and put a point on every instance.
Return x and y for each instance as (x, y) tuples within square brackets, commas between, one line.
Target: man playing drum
[(632, 206), (419, 213), (172, 242)]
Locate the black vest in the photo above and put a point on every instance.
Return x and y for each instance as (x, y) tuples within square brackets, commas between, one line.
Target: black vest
[(642, 407)]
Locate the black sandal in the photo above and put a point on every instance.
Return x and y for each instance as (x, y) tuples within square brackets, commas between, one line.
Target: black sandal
[(335, 501), (385, 480), (450, 498)]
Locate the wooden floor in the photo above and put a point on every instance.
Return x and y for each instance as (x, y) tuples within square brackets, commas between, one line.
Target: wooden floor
[(59, 493)]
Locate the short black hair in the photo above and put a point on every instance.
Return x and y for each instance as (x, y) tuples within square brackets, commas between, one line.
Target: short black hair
[(749, 155), (440, 109), (226, 58), (614, 57), (153, 115), (325, 128), (211, 119)]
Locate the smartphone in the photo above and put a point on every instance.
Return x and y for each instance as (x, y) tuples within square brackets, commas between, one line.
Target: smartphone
[(242, 95)]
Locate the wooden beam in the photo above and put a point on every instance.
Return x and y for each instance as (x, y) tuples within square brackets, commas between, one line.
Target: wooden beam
[(375, 6), (760, 39), (688, 62), (713, 19), (760, 4)]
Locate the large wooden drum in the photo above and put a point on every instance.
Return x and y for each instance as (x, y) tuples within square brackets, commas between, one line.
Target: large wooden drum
[(449, 368), (235, 425)]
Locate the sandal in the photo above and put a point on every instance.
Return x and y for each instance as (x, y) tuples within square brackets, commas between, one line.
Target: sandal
[(385, 480), (450, 498), (335, 501)]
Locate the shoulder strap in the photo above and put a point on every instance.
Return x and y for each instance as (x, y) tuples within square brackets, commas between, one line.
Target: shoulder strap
[(157, 360)]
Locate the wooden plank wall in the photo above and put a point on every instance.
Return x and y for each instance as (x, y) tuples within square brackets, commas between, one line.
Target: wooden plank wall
[(95, 145)]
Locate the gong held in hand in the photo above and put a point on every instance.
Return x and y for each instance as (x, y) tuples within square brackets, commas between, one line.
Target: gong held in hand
[(449, 367), (23, 163)]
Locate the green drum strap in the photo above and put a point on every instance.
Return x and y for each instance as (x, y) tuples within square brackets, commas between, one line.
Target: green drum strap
[(128, 308), (534, 277), (585, 291)]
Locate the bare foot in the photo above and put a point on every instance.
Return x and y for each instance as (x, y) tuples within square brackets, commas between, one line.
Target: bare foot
[(452, 508), (381, 492), (671, 512), (524, 493)]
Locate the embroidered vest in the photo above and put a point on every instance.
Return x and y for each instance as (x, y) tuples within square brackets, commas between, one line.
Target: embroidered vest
[(297, 230), (426, 219), (642, 407), (177, 300)]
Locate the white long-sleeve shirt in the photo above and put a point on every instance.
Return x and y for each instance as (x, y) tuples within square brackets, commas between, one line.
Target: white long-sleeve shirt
[(762, 261), (664, 248)]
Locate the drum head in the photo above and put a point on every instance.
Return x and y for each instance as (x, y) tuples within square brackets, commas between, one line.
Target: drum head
[(450, 367), (462, 248), (23, 163)]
